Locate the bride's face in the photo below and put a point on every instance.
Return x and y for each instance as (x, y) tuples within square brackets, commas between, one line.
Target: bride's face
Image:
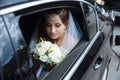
[(55, 27)]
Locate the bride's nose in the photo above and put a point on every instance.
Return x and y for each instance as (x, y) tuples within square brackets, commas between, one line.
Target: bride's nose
[(53, 29)]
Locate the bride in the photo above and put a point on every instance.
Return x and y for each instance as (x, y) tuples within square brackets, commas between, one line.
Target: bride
[(59, 27)]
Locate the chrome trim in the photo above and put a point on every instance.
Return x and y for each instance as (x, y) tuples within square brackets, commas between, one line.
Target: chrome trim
[(104, 77), (116, 13), (79, 61), (24, 5)]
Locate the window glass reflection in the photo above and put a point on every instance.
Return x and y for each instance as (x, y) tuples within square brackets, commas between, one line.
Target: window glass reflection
[(18, 42), (14, 30), (91, 19), (6, 51), (7, 56)]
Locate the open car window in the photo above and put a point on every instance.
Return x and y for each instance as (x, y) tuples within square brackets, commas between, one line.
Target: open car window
[(29, 26)]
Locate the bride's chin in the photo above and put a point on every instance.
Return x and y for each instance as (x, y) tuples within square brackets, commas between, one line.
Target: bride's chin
[(53, 37)]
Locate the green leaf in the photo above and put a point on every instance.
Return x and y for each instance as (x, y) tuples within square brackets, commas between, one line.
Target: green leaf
[(36, 56)]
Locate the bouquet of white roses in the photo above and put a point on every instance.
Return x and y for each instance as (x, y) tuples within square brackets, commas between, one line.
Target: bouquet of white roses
[(48, 52)]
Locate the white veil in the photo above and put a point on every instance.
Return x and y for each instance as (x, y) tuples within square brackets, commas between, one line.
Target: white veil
[(72, 34)]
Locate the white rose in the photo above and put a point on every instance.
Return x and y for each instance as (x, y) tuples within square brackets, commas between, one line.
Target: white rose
[(54, 58), (41, 51), (44, 58), (46, 44)]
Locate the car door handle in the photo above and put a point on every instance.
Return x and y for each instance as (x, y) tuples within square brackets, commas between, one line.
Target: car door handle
[(98, 62)]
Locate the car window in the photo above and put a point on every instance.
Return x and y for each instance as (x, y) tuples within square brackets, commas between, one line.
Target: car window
[(14, 30), (20, 53), (7, 61), (91, 19)]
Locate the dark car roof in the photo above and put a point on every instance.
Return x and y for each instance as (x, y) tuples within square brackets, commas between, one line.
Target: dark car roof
[(10, 2), (113, 4)]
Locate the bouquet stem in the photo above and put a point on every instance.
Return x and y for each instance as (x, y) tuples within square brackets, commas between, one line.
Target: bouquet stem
[(48, 66)]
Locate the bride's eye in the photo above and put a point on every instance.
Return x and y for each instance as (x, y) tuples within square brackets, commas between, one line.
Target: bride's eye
[(57, 25)]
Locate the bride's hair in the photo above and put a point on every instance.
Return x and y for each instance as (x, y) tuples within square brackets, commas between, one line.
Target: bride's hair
[(61, 12)]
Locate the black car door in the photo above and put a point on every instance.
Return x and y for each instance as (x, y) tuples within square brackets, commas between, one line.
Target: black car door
[(99, 67), (16, 63)]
